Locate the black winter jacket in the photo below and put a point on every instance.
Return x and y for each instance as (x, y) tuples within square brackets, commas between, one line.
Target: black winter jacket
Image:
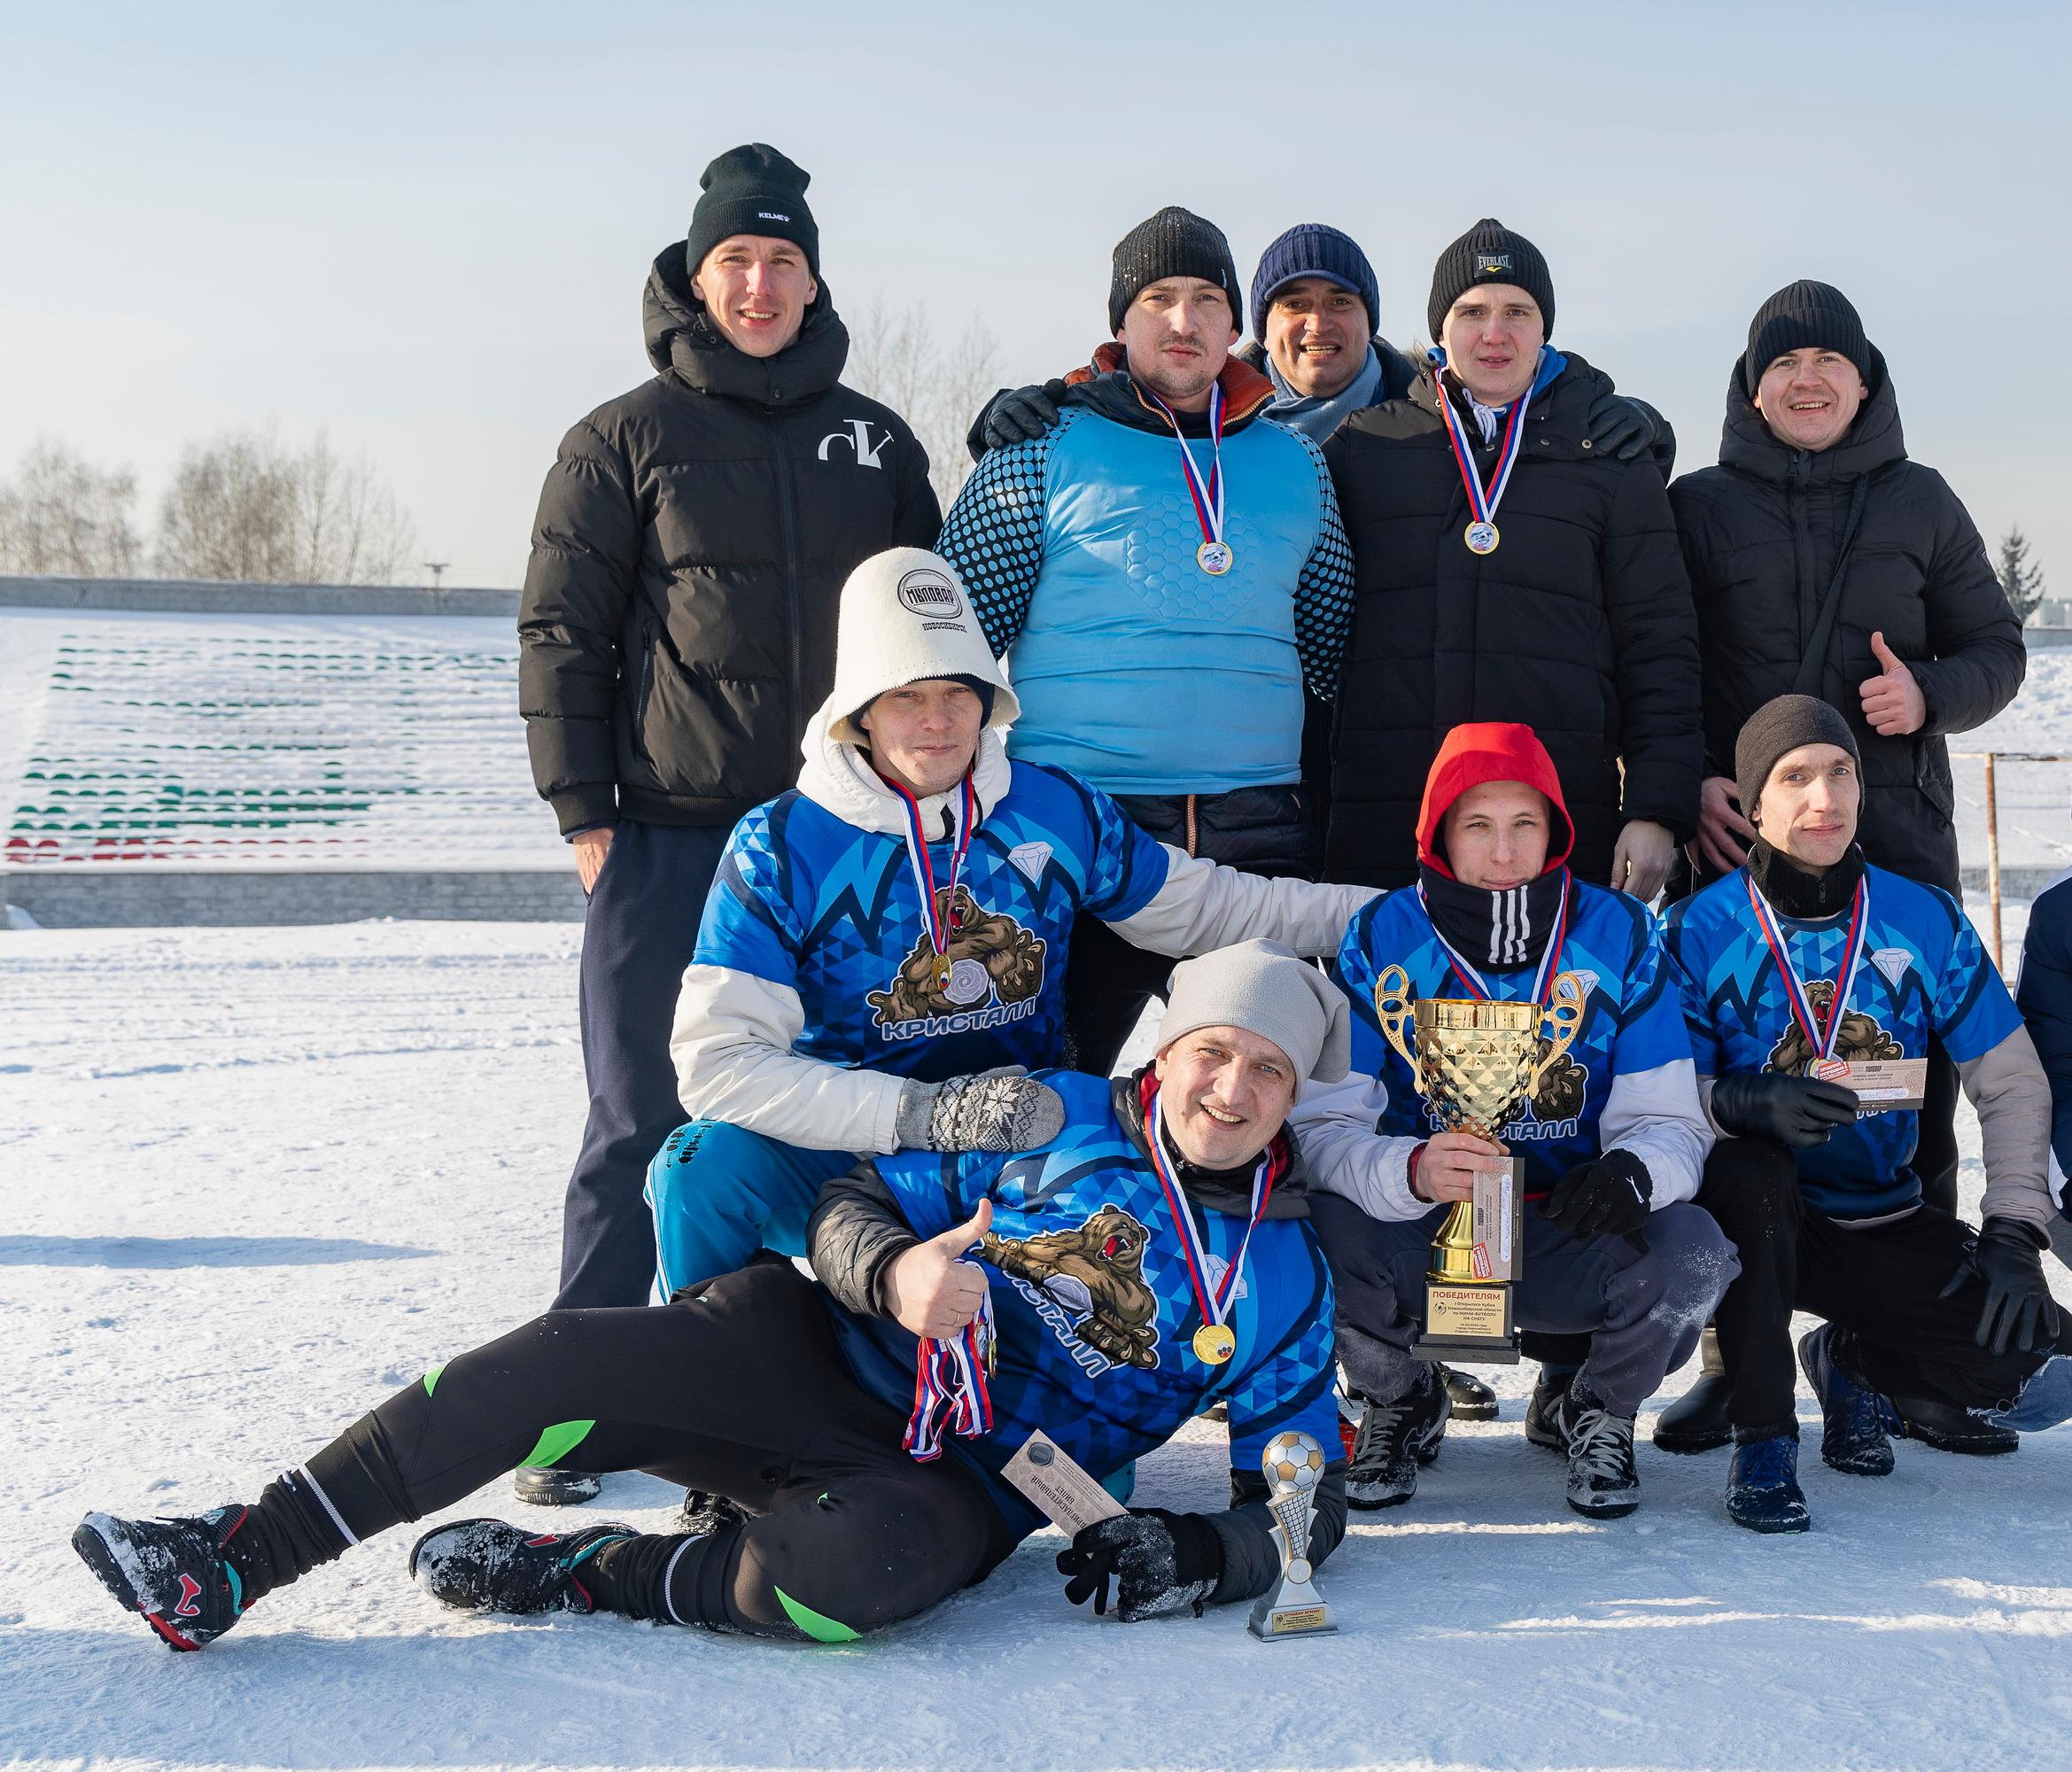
[(676, 629), (1579, 624), (1761, 534)]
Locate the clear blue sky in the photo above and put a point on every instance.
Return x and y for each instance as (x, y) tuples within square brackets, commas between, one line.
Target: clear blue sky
[(426, 228)]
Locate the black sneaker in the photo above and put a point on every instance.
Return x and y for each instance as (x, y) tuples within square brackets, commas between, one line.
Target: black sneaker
[(1853, 1420), (1604, 1482), (1762, 1487), (1950, 1429), (1697, 1421), (1393, 1439), (172, 1571), (1472, 1400), (544, 1486), (488, 1565), (1544, 1425), (704, 1513)]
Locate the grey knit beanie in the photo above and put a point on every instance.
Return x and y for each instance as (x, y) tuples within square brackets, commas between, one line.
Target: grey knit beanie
[(1776, 728), (1263, 988)]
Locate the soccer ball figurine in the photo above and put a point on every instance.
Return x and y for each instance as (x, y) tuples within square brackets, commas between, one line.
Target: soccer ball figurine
[(1291, 1461)]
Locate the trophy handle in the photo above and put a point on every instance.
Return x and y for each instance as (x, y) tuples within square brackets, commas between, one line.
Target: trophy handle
[(1392, 1005), (1564, 1016)]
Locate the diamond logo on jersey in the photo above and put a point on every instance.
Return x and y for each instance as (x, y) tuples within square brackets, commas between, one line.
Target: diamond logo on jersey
[(1892, 962), (989, 971), (1859, 1037), (1031, 859), (1217, 1267), (1091, 1280)]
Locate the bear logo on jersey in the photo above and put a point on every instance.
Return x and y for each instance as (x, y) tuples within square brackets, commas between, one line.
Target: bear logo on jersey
[(1562, 1085), (996, 972), (1096, 1273), (1860, 1038)]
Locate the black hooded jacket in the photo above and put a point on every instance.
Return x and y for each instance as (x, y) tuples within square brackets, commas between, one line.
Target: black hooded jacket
[(676, 629), (1580, 626), (1760, 535)]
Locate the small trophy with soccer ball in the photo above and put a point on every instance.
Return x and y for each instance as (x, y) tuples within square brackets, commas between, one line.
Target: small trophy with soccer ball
[(1293, 1464)]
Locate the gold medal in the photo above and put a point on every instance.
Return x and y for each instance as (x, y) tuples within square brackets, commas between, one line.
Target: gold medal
[(1214, 1343), (1482, 538), (944, 968)]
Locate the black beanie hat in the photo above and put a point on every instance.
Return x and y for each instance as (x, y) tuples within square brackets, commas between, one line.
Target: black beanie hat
[(1778, 727), (1805, 315), (1176, 242), (753, 189), (1488, 252)]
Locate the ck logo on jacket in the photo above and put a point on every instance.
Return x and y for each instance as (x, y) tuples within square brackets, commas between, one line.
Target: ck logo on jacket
[(858, 438)]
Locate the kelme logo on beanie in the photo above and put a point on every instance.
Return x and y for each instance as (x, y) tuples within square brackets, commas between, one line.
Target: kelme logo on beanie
[(928, 592), (1492, 264)]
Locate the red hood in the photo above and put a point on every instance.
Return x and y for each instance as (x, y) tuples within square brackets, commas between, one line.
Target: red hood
[(1491, 751)]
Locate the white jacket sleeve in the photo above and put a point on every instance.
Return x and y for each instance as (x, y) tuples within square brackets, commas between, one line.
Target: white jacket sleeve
[(1336, 1127), (1204, 906), (732, 1045), (1657, 1115)]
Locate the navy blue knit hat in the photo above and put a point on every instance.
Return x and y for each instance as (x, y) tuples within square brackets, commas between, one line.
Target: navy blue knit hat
[(1311, 249)]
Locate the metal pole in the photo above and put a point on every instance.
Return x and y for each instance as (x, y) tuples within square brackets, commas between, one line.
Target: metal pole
[(1993, 858)]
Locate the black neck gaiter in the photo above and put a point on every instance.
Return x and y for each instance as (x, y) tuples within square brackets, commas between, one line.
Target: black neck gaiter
[(1793, 892), (1497, 931)]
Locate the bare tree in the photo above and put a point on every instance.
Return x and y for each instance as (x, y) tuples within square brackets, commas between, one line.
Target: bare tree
[(937, 383), (245, 506), (61, 514)]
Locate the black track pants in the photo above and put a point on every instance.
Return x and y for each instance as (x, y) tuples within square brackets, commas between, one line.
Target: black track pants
[(1879, 1285), (741, 1392)]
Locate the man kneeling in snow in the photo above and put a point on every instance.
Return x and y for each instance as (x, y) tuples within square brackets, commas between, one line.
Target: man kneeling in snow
[(1152, 1258)]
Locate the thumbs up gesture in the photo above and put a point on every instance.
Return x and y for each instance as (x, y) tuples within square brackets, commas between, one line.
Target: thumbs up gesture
[(931, 1289), (1892, 701)]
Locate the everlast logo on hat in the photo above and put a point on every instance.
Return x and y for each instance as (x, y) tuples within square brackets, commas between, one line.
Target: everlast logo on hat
[(1492, 264), (929, 593)]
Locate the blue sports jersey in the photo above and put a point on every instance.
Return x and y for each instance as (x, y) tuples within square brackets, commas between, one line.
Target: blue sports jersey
[(1081, 1227), (1923, 971), (1631, 1023), (808, 901)]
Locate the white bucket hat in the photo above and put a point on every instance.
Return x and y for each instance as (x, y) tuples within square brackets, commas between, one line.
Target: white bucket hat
[(904, 618)]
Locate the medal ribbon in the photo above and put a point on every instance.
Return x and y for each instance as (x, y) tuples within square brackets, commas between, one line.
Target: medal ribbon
[(1215, 1307), (1471, 981), (1207, 496), (1820, 1038), (950, 1394), (924, 872), (1483, 501)]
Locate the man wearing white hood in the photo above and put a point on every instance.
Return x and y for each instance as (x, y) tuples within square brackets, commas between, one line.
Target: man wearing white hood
[(896, 928)]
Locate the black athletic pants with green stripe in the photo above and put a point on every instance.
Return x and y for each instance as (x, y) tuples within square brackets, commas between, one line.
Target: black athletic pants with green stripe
[(740, 1391)]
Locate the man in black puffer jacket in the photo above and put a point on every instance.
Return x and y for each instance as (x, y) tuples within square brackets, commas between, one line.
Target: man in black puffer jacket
[(678, 632), (1575, 619)]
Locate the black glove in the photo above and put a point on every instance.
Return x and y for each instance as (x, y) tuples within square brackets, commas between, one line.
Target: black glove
[(1793, 1111), (1620, 427), (1605, 1198), (1163, 1563), (2019, 1310), (1016, 415)]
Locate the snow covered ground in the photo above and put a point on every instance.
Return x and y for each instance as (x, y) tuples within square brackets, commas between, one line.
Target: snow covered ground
[(254, 1180)]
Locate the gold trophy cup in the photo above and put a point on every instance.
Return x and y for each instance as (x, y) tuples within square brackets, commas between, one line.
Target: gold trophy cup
[(1476, 1063)]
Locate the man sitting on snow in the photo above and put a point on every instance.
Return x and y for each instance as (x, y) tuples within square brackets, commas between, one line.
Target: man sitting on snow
[(1149, 1259)]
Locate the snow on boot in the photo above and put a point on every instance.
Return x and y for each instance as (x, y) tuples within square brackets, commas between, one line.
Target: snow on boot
[(1544, 1425), (2044, 1401), (1854, 1439), (1697, 1421), (1472, 1400), (489, 1566), (172, 1571), (1762, 1487), (1393, 1439), (543, 1486), (1603, 1480), (704, 1513), (1950, 1429)]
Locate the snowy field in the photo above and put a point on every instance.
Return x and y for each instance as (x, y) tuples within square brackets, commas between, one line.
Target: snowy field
[(254, 1180)]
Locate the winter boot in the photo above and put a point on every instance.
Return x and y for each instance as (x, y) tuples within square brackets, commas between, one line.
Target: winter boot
[(172, 1571), (1472, 1400), (1697, 1421), (1393, 1439), (544, 1486), (487, 1565), (1543, 1412), (1853, 1437), (705, 1512), (1603, 1480), (1762, 1487), (1949, 1429)]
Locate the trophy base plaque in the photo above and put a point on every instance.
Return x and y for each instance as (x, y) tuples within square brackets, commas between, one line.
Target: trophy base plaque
[(1468, 1319), (1295, 1609)]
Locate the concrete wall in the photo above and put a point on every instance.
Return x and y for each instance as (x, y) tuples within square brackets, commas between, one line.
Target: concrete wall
[(207, 597), (112, 895)]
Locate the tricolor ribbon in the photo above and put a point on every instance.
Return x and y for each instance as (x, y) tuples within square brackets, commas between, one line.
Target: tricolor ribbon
[(924, 873), (1214, 1305), (1820, 1037), (1207, 495), (1472, 980), (950, 1394), (1483, 500)]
